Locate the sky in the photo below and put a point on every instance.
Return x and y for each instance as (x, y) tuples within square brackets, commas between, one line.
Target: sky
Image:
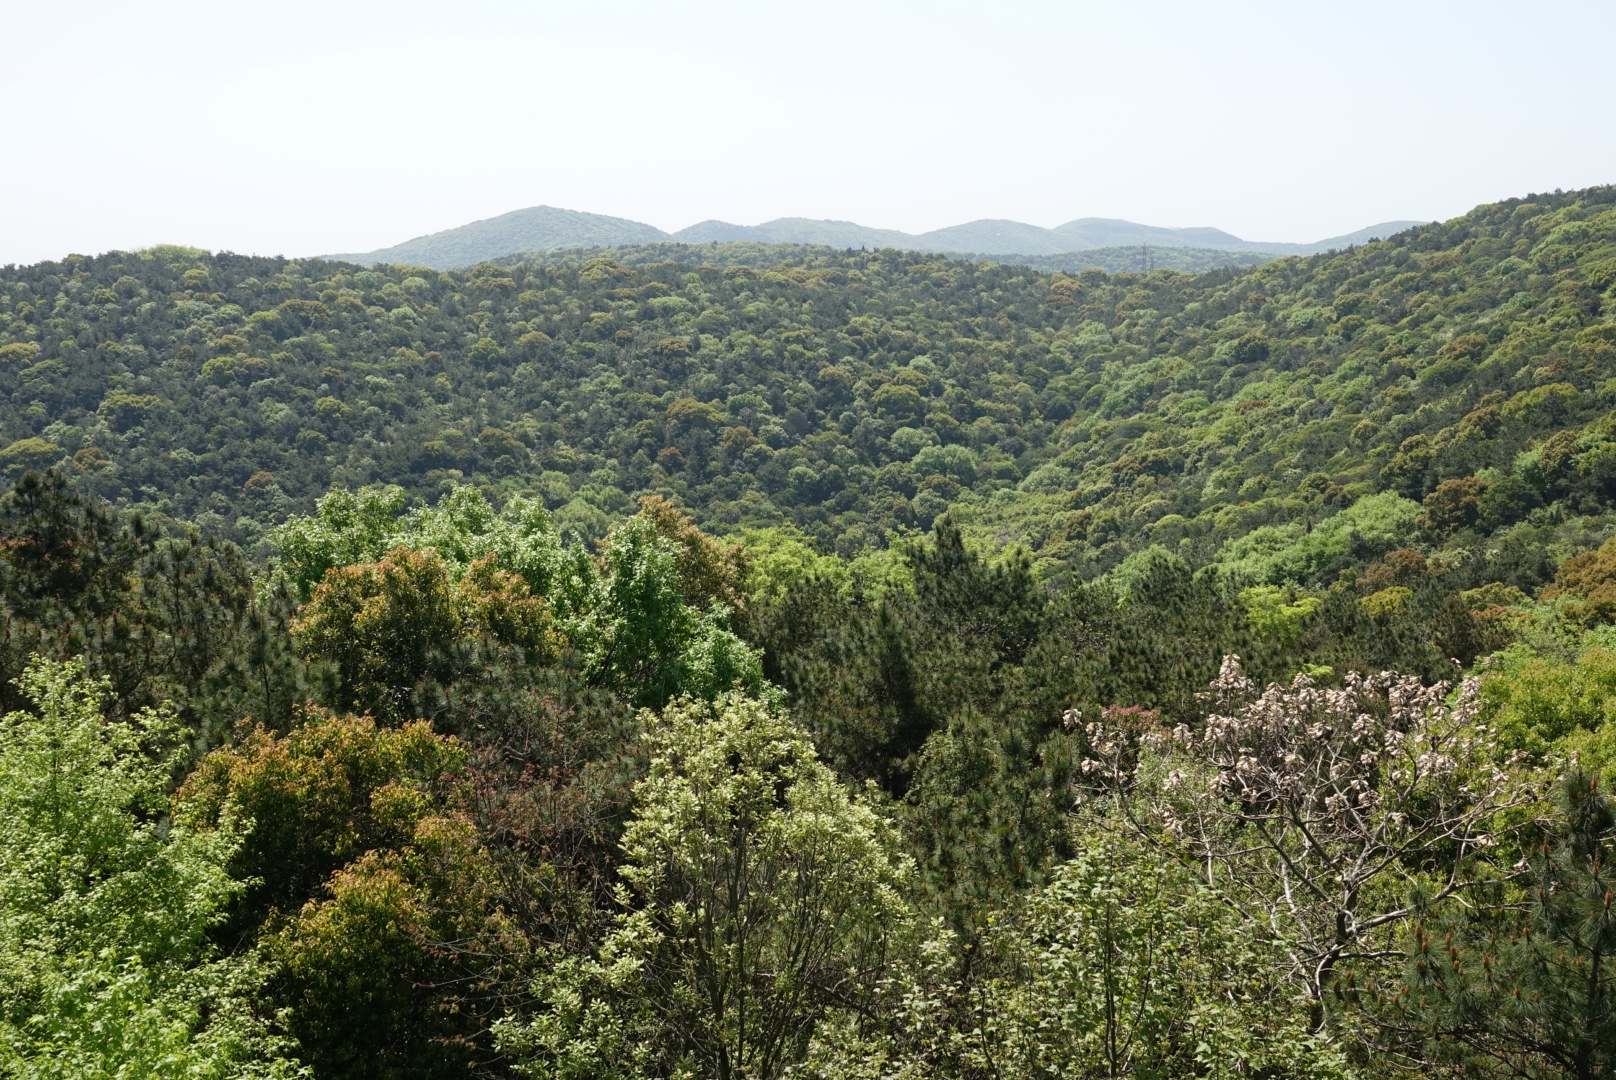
[(301, 128)]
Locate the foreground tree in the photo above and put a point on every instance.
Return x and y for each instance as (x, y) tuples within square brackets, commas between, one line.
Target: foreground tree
[(370, 887), (639, 637), (1526, 989), (399, 629), (408, 607), (106, 969), (1121, 966), (762, 895), (1325, 817)]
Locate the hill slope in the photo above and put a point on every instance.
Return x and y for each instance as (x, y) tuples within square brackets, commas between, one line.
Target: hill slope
[(1086, 233), (841, 234), (992, 236), (857, 396)]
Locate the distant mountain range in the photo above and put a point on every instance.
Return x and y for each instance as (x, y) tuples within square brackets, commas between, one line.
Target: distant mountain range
[(548, 228)]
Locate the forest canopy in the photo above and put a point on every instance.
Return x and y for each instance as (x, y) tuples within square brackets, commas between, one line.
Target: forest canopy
[(1090, 416)]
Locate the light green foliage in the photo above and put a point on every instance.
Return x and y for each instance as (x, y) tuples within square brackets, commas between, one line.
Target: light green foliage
[(463, 528), (32, 451), (636, 632), (636, 622), (872, 573), (781, 558), (1542, 705), (1141, 565), (1271, 613), (346, 528), (1293, 554), (1387, 603), (354, 527), (908, 441), (105, 966), (762, 893), (1122, 966), (623, 612), (955, 462)]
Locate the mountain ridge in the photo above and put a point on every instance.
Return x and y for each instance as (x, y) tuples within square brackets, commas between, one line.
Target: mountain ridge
[(546, 228)]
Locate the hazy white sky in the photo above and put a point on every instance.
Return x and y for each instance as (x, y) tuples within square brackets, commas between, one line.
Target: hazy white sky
[(308, 127)]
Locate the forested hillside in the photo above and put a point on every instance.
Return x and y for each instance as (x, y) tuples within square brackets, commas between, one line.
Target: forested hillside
[(1142, 259), (693, 663), (854, 396), (758, 255)]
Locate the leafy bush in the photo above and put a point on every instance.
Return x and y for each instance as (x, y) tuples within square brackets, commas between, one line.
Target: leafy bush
[(650, 618), (1117, 967)]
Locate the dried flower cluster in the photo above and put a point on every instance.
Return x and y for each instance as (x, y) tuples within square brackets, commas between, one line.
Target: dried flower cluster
[(1323, 814)]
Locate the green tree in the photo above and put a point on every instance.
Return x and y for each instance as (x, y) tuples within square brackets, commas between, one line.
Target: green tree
[(639, 636), (397, 630), (1526, 988), (370, 887), (762, 895), (1543, 705), (351, 527), (1123, 965), (106, 908), (1320, 815), (346, 528), (164, 617), (648, 619)]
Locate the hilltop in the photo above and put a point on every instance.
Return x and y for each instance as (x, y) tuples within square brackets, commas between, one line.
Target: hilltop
[(540, 229), (537, 228), (858, 396)]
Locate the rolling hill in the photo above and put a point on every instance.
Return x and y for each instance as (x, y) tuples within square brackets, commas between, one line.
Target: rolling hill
[(1001, 238), (546, 228), (537, 228)]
